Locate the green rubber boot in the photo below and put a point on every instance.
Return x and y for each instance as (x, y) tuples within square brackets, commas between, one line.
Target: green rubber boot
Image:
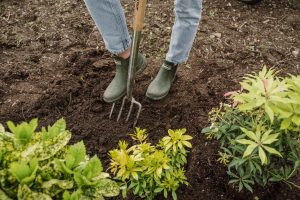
[(161, 85), (118, 86)]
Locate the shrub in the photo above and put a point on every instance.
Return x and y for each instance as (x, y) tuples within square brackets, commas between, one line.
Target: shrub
[(147, 169), (40, 165), (260, 132)]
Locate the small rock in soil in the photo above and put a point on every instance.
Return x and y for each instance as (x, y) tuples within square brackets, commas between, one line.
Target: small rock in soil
[(218, 35), (101, 63), (295, 52)]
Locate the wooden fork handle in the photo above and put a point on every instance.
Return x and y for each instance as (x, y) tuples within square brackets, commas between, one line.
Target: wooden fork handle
[(139, 14)]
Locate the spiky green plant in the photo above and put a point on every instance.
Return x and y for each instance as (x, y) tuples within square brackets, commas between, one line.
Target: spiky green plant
[(146, 169), (260, 131)]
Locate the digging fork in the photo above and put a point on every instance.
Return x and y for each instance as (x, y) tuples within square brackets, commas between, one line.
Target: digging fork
[(139, 16)]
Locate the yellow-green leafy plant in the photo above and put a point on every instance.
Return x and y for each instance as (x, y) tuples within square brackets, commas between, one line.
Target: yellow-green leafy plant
[(41, 165), (259, 132), (148, 170)]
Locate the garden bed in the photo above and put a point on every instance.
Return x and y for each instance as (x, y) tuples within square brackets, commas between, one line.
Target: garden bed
[(53, 64)]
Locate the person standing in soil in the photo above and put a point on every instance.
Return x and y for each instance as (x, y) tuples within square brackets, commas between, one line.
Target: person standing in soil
[(110, 20)]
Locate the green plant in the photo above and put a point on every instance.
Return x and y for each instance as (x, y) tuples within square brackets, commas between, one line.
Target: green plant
[(259, 132), (147, 169), (40, 165)]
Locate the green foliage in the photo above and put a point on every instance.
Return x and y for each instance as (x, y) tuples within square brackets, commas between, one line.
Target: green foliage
[(74, 196), (146, 169), (260, 137), (259, 140), (273, 95), (40, 165), (54, 130), (24, 131), (24, 172)]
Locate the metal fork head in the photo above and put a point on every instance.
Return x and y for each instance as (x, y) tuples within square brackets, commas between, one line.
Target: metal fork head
[(132, 103)]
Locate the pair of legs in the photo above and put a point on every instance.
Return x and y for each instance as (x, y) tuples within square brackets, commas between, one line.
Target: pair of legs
[(110, 20)]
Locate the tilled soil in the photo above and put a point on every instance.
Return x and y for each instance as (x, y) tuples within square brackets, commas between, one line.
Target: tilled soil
[(53, 64)]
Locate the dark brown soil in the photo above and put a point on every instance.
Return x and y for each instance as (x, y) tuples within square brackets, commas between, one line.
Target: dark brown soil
[(53, 64)]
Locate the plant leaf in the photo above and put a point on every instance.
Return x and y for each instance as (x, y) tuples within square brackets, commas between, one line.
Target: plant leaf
[(58, 127), (296, 120), (250, 134), (24, 172), (2, 130), (92, 169), (174, 196), (24, 193), (244, 141), (270, 138), (248, 187), (75, 155), (158, 190), (23, 132), (270, 112), (272, 150), (285, 123), (262, 156), (3, 196), (206, 130), (187, 144), (46, 149), (249, 150), (107, 188), (63, 184)]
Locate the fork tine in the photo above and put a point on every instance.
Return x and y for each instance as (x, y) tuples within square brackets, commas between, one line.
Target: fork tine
[(121, 109), (130, 110), (112, 110), (138, 112), (132, 102)]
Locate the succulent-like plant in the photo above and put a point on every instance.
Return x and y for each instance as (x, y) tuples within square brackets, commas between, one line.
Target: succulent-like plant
[(40, 165)]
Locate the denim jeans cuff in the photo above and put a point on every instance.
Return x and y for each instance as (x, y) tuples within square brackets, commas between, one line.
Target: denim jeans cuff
[(125, 45), (175, 61)]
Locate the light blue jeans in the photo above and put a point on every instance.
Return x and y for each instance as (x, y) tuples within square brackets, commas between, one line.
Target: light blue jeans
[(110, 20)]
